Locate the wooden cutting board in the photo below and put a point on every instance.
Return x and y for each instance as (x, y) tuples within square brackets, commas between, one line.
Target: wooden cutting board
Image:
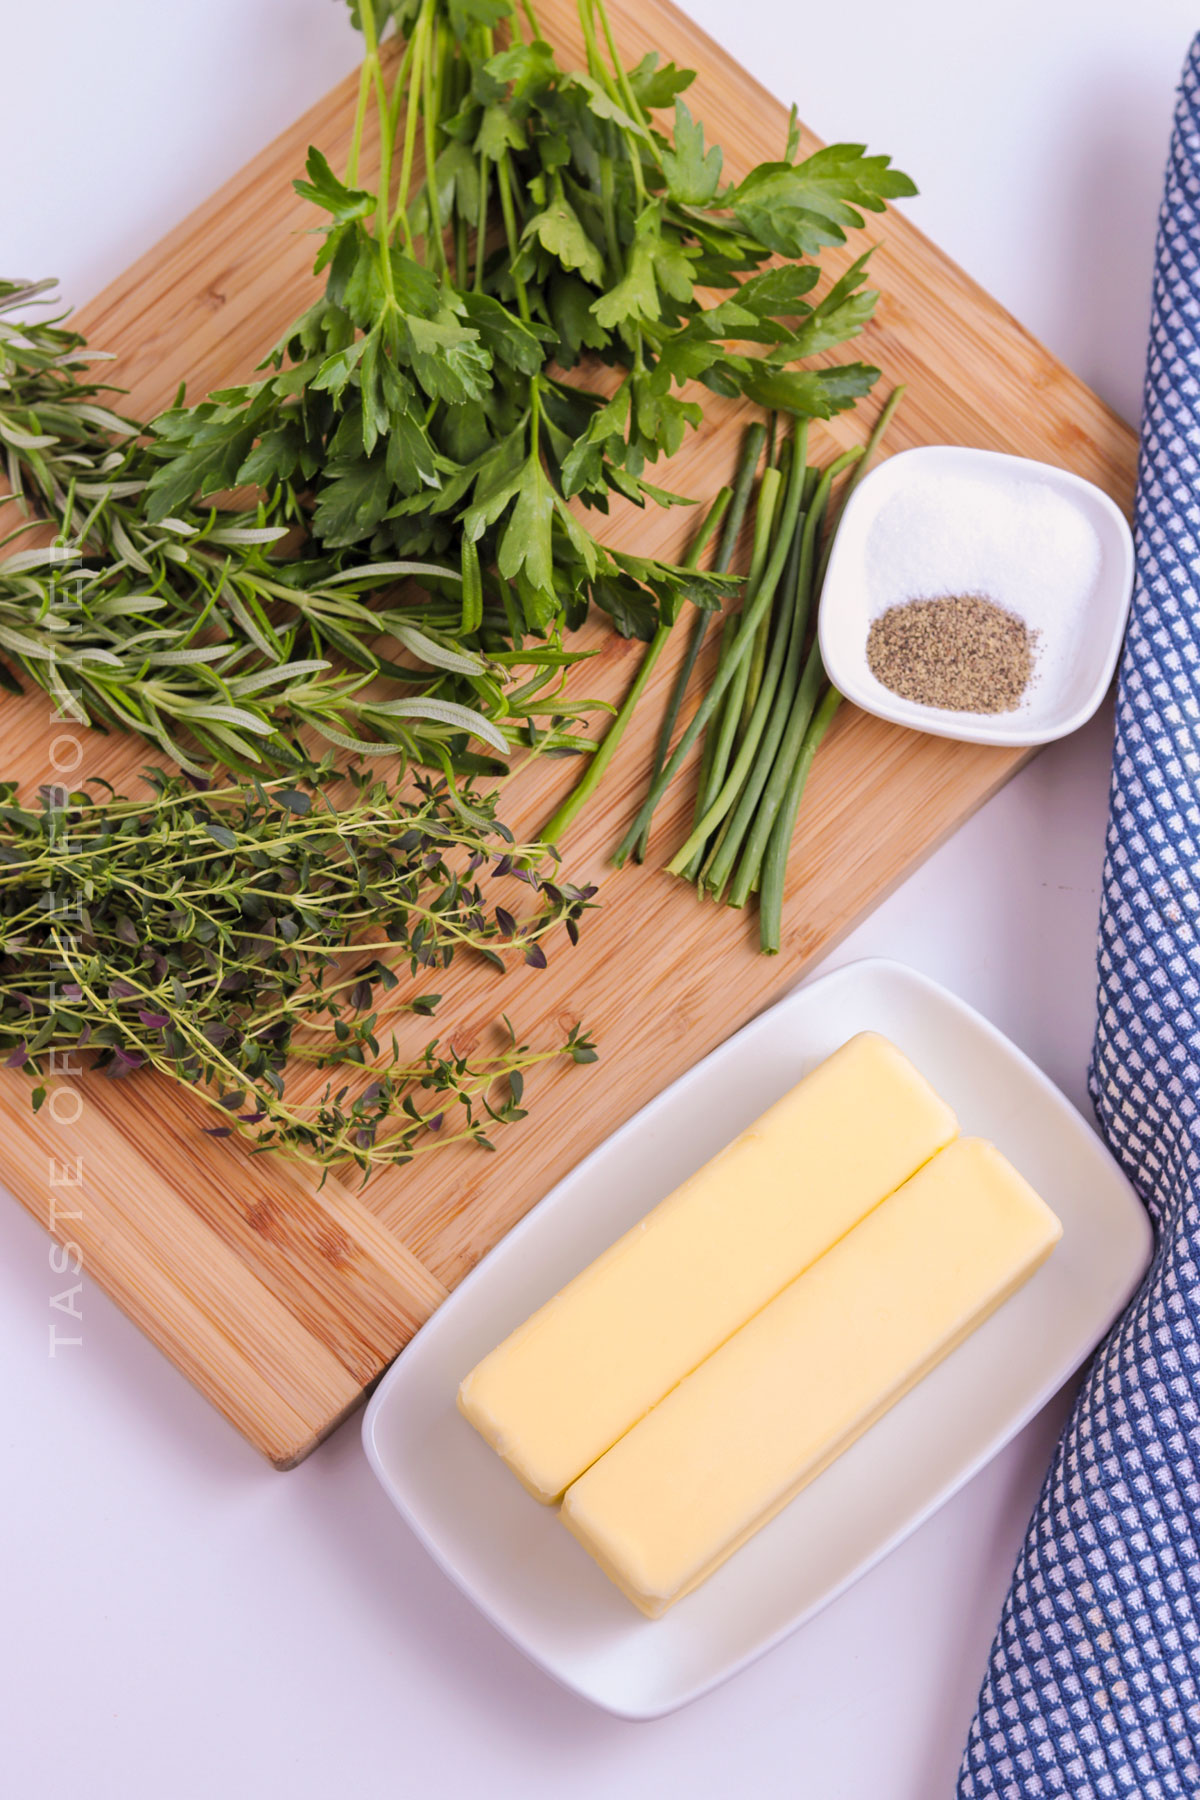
[(281, 1302)]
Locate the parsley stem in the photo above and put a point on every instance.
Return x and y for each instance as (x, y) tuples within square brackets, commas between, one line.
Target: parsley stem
[(395, 104), (485, 191), (632, 104), (504, 178), (615, 82), (435, 244), (597, 68), (412, 115), (612, 242), (360, 114), (367, 14), (481, 222)]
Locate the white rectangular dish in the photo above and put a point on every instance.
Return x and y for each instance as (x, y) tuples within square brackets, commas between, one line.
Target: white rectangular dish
[(513, 1557)]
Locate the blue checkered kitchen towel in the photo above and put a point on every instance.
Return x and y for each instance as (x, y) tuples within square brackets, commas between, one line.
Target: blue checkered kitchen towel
[(1093, 1688)]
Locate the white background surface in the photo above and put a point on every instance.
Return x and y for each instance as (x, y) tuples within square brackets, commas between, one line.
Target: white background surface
[(179, 1622)]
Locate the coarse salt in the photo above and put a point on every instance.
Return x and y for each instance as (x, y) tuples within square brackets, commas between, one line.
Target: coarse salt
[(1016, 542)]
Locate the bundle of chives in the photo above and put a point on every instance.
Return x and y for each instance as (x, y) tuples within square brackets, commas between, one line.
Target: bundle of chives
[(768, 705)]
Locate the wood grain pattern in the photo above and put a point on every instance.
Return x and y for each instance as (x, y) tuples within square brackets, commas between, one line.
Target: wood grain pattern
[(282, 1302)]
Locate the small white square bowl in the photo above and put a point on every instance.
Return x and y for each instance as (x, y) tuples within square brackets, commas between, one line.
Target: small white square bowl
[(1088, 656)]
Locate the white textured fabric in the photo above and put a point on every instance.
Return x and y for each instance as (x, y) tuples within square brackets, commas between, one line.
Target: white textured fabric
[(1092, 1687)]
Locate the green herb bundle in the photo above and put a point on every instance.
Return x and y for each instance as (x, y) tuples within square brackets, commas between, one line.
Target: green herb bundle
[(420, 407), (431, 414), (189, 631), (769, 703), (229, 937)]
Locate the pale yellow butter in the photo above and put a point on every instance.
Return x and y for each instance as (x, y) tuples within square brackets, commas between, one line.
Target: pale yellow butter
[(794, 1387), (590, 1363)]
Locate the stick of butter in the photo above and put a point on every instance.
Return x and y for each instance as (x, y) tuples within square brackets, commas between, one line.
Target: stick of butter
[(793, 1388), (589, 1364)]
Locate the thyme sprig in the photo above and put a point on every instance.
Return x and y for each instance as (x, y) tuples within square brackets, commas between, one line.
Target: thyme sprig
[(220, 935)]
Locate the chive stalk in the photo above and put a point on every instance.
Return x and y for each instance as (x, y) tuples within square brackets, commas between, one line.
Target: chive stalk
[(774, 872), (750, 795), (791, 722), (776, 786), (735, 518), (727, 792), (724, 728), (798, 582), (733, 829), (739, 649), (709, 747), (773, 869), (881, 424), (758, 656), (585, 787)]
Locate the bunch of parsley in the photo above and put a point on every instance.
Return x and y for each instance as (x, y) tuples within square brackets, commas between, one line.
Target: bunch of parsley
[(434, 400)]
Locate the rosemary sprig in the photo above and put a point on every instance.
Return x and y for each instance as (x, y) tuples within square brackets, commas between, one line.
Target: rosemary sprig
[(221, 935), (191, 632)]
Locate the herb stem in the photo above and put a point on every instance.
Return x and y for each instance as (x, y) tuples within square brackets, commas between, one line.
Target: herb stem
[(758, 656), (797, 581), (367, 14), (616, 85), (791, 722), (566, 814), (723, 729), (743, 486), (727, 790), (775, 815), (886, 415), (774, 874), (633, 105), (436, 243), (365, 76), (412, 115), (481, 223), (504, 181), (739, 649)]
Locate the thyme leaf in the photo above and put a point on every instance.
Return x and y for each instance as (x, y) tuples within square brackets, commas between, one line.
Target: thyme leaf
[(228, 937)]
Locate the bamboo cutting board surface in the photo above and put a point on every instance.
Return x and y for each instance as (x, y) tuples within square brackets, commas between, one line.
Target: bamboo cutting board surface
[(283, 1302)]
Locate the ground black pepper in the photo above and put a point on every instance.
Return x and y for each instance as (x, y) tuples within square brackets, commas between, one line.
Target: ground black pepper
[(962, 652)]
